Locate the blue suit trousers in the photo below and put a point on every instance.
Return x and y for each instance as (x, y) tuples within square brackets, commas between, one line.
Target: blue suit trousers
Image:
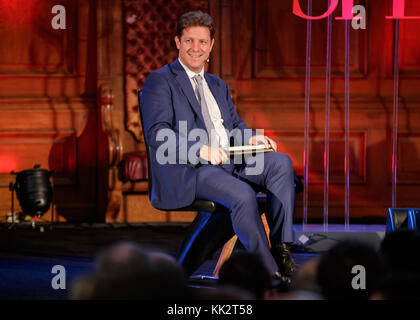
[(233, 187)]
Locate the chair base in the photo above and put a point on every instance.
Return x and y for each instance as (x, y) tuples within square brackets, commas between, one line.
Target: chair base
[(230, 245), (208, 233)]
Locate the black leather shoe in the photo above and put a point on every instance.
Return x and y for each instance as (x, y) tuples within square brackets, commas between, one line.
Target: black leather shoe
[(287, 264), (281, 282)]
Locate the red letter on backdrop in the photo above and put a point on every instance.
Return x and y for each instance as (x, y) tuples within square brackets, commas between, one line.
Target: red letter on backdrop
[(398, 11), (347, 6), (298, 11)]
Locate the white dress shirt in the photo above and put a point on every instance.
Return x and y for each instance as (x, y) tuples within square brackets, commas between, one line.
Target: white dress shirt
[(214, 110)]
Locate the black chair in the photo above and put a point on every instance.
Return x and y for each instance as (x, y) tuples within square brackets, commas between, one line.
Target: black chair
[(210, 230)]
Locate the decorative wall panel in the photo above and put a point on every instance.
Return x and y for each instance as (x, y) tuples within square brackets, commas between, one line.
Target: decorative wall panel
[(150, 28)]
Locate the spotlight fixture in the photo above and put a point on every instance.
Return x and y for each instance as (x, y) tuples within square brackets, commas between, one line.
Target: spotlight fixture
[(34, 191)]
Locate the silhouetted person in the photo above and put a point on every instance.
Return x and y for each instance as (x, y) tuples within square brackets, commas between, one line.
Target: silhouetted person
[(128, 271), (82, 288), (170, 274), (399, 286), (401, 252), (247, 271), (335, 271), (122, 256), (305, 280), (304, 285), (166, 263), (225, 292)]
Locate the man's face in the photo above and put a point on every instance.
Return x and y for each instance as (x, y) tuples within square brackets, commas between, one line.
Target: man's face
[(194, 47)]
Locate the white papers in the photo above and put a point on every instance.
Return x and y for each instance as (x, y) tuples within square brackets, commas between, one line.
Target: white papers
[(249, 149)]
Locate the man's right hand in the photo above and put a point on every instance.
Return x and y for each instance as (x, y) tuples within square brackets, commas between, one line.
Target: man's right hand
[(213, 155)]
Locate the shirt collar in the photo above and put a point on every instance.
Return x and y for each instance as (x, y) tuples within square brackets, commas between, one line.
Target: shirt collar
[(190, 73)]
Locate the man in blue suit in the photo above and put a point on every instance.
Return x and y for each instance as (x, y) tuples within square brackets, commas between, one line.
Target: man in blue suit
[(180, 98)]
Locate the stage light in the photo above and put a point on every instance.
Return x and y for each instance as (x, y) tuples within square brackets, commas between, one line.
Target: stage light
[(34, 191)]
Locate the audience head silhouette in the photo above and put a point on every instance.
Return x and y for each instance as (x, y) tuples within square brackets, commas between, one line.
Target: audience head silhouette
[(400, 250), (128, 271), (339, 276), (246, 271)]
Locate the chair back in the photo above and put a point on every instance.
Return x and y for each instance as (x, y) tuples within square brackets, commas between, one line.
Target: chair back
[(149, 167)]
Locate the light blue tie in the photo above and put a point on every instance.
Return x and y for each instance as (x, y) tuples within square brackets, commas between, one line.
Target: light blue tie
[(202, 100)]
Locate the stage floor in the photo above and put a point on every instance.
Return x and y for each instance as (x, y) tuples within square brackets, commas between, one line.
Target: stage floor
[(27, 255), (341, 227)]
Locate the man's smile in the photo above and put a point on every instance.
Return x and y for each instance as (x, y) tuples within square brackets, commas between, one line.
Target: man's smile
[(195, 55)]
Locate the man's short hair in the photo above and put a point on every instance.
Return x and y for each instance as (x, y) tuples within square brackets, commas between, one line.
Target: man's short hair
[(195, 19)]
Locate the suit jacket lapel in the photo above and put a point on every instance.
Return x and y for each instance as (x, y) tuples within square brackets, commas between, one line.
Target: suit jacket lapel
[(186, 87)]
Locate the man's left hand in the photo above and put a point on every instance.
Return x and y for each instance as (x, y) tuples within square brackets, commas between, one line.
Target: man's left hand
[(259, 139)]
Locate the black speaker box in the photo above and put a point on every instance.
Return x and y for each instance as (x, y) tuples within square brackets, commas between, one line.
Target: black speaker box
[(416, 218), (402, 218)]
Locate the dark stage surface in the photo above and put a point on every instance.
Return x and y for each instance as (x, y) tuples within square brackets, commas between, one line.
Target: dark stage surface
[(28, 255)]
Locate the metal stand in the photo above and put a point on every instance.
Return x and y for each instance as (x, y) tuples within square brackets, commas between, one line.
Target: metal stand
[(52, 208), (12, 189)]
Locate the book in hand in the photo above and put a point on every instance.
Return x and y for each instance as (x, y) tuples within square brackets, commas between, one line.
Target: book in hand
[(249, 149)]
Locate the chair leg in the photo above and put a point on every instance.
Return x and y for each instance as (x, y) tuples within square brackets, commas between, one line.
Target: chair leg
[(266, 228), (208, 232), (225, 254), (230, 245)]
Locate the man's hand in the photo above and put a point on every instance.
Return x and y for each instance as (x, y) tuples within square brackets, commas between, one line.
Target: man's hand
[(259, 139), (214, 155)]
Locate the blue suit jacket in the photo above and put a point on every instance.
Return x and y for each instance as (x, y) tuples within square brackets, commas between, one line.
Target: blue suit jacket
[(168, 98)]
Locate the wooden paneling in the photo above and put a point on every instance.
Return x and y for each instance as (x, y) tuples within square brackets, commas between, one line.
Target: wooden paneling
[(29, 43), (137, 208), (260, 51), (48, 102), (408, 170), (292, 143), (28, 147), (49, 80), (268, 59), (59, 140), (410, 41), (280, 42), (37, 60), (150, 28)]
